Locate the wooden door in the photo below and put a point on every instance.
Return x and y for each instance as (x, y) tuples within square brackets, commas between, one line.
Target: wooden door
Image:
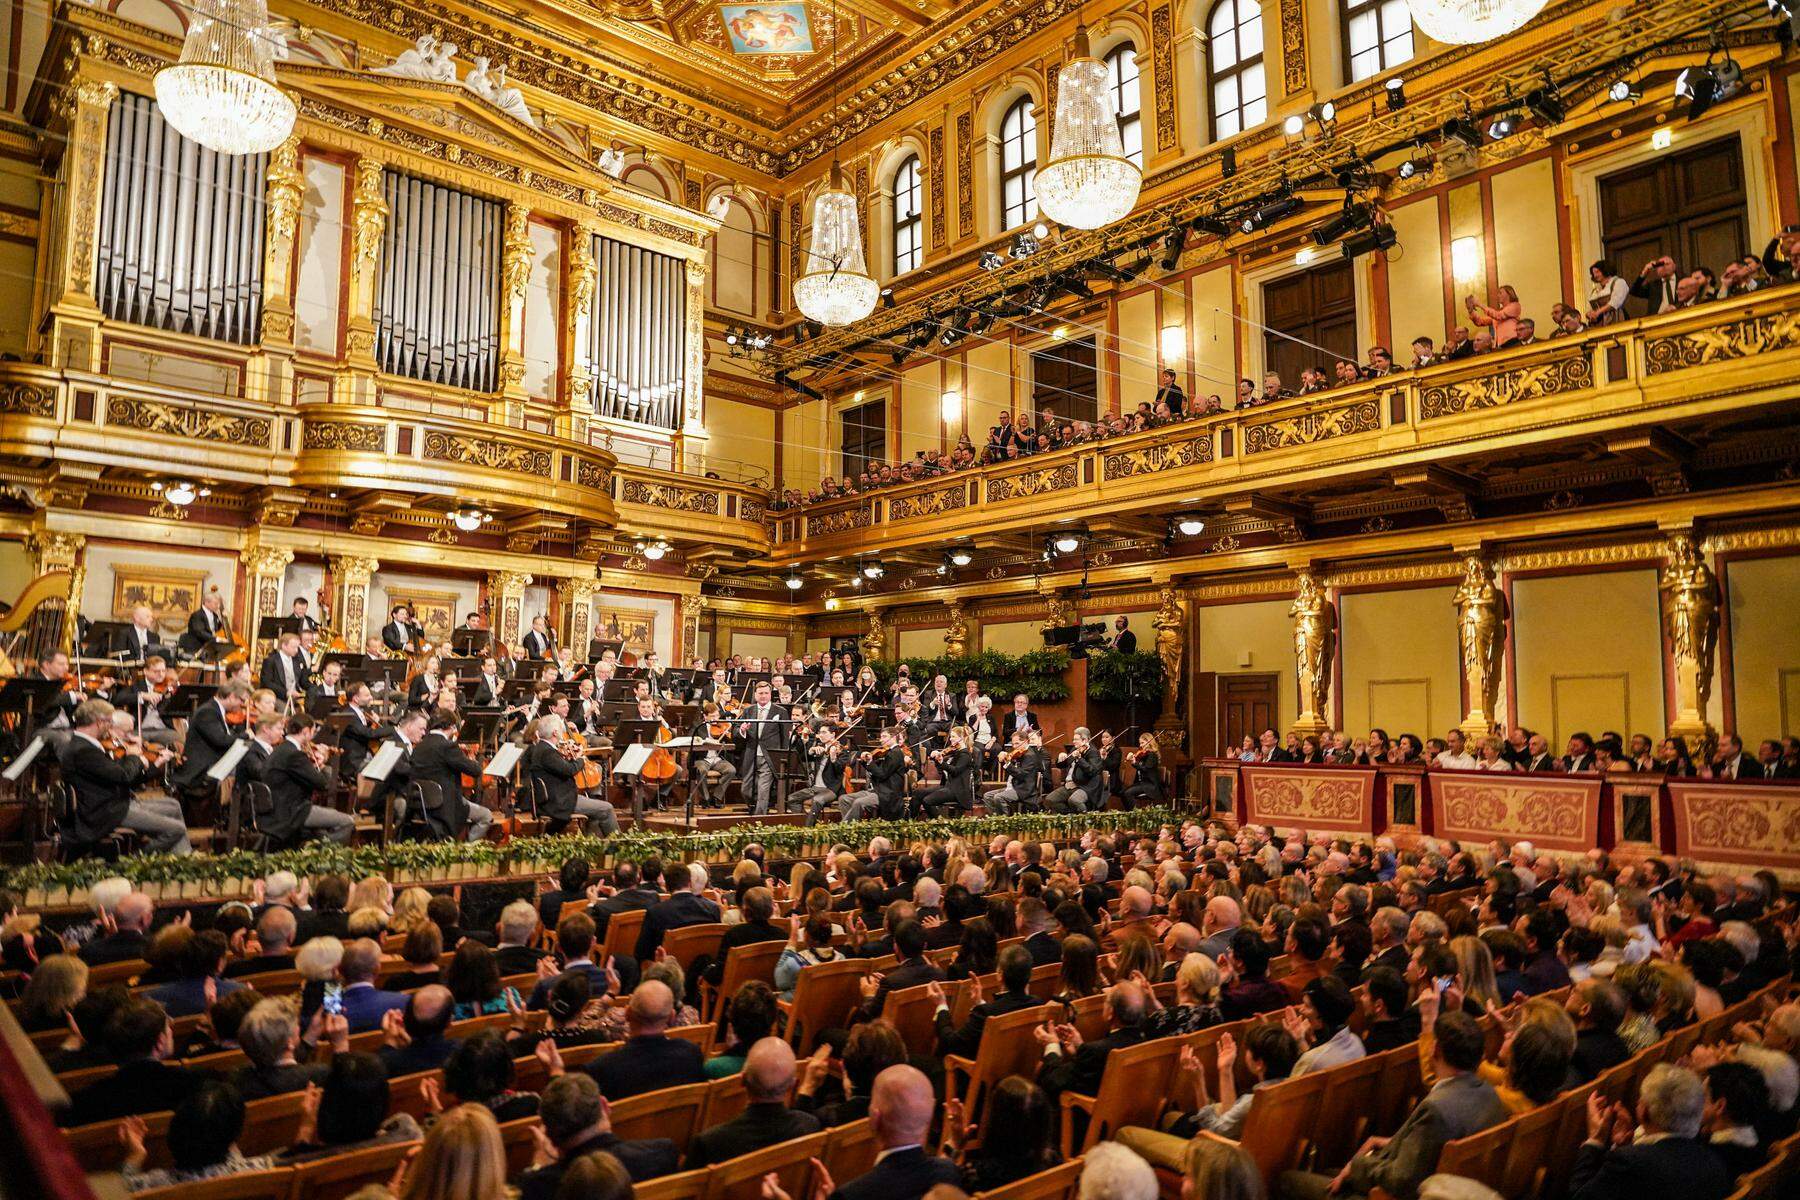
[(1689, 205), (1317, 307), (1247, 706)]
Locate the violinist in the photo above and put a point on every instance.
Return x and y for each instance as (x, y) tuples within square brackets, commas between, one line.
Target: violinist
[(712, 774), (846, 712), (551, 764), (955, 792), (400, 634), (449, 696), (538, 640), (887, 781), (284, 670), (327, 689), (828, 780), (54, 720), (360, 734), (1146, 786), (209, 734), (1110, 761), (437, 759), (762, 733), (310, 653), (104, 783), (520, 716), (156, 684), (206, 625), (566, 670), (422, 692), (266, 733), (489, 686), (1024, 765), (295, 772), (653, 792), (407, 733), (1081, 776)]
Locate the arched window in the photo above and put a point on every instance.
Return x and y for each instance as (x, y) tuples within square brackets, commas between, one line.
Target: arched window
[(1122, 81), (1234, 67), (1377, 35), (1018, 163), (909, 219)]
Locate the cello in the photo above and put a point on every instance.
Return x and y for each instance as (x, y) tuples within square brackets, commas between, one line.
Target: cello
[(660, 767)]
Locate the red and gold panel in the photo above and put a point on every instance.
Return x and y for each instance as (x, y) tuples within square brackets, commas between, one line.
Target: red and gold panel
[(1333, 799), (1753, 824), (1555, 814)]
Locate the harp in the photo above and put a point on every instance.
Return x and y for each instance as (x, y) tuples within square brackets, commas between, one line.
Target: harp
[(34, 627)]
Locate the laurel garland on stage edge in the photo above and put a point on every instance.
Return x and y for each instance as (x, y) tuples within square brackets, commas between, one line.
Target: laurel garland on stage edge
[(426, 861)]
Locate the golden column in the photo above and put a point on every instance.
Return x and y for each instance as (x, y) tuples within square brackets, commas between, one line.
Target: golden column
[(1315, 636), (578, 384), (83, 110), (352, 573), (506, 597), (265, 566), (692, 605), (368, 226), (1481, 633), (54, 550), (281, 201), (1690, 611), (515, 277), (874, 639), (578, 602), (1170, 624)]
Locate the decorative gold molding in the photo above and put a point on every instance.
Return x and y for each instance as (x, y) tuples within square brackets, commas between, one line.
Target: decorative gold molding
[(173, 420), (1572, 372), (1037, 482), (1307, 428), (485, 452), (1720, 343), (1604, 555)]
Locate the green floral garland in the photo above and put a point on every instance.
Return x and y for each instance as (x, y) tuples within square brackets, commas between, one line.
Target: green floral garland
[(203, 875)]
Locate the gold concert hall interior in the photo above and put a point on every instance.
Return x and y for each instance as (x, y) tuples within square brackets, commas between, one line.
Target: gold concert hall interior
[(872, 599)]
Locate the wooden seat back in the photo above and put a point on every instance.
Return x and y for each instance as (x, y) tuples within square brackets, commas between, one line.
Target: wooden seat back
[(341, 1175), (741, 1178), (1524, 1171), (1278, 1128), (1480, 1155), (850, 1151), (246, 1185), (913, 1012), (622, 930), (683, 1186), (1344, 1110), (824, 996), (1133, 1090), (672, 1113), (271, 1124), (688, 943), (1058, 1183), (1007, 1048), (1089, 1016), (725, 1099), (1399, 1088), (743, 964)]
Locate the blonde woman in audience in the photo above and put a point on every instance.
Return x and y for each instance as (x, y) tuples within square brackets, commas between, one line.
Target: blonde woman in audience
[(317, 962), (56, 985), (1490, 759), (1196, 1006), (1219, 1170), (370, 922), (1643, 991), (462, 1159), (1612, 955), (1675, 994), (1475, 972), (373, 892), (410, 911)]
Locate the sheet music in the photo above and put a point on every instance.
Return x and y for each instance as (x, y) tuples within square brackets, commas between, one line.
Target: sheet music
[(22, 763), (692, 743), (502, 763), (379, 766), (228, 761), (633, 759)]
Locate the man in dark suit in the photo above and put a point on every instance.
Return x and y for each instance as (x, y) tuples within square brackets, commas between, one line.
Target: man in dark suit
[(140, 639), (537, 641), (513, 932), (364, 1003), (284, 670), (1015, 977), (400, 633), (488, 689), (575, 945), (359, 736), (139, 1038), (913, 969), (762, 733), (685, 906), (629, 894), (1021, 717), (205, 626), (438, 759), (417, 1034), (1664, 1157), (1072, 1065), (300, 616), (1387, 930), (275, 931), (649, 1059), (1124, 641), (1538, 756), (1169, 392), (104, 789), (900, 1112), (294, 778), (758, 907), (209, 735), (552, 774), (1035, 923), (253, 766), (577, 1120), (1580, 755), (766, 1120), (130, 935)]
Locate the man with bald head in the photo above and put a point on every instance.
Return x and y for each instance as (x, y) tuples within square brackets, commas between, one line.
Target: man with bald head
[(1222, 918), (1072, 1065), (416, 1037), (900, 1116), (767, 1119), (1135, 903), (650, 1059)]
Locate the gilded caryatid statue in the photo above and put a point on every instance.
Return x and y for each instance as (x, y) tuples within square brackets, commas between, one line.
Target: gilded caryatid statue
[(1170, 624), (956, 634), (874, 639), (1481, 630), (1690, 604), (1314, 631), (1058, 612)]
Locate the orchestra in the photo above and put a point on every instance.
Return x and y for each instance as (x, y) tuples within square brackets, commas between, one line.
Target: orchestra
[(797, 735)]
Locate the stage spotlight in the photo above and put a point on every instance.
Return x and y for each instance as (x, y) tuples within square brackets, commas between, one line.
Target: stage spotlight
[(1216, 226), (1419, 164), (1546, 104), (1175, 243), (873, 570), (1462, 129), (1396, 94), (1271, 211), (1295, 125), (887, 297), (991, 260), (1503, 126), (731, 337), (1353, 217), (1623, 91), (1707, 84), (1228, 162), (1376, 237), (1024, 244)]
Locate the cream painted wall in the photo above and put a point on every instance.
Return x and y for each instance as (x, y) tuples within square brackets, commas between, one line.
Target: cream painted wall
[(1765, 646), (542, 293), (301, 582), (662, 617), (816, 645), (734, 262), (921, 643), (803, 441), (1588, 649), (103, 560), (1212, 335), (742, 433), (1263, 629), (467, 593), (1407, 683), (1415, 278), (1138, 350), (17, 568), (1466, 221), (921, 410), (319, 265), (761, 645), (1012, 637), (987, 387), (1525, 242)]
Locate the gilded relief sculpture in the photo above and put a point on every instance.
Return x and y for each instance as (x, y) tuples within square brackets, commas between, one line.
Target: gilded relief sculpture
[(956, 634), (1170, 624), (1315, 630), (874, 639), (1690, 604), (1481, 633)]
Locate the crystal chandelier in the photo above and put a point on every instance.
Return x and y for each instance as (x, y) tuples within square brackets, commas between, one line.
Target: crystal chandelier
[(1088, 181), (1466, 22), (222, 93), (836, 288)]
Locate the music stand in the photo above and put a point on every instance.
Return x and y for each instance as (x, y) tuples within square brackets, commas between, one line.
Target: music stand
[(351, 662), (187, 698), (29, 697), (597, 648), (619, 691), (627, 733), (270, 629), (460, 667), (388, 670), (465, 642), (101, 637), (482, 728), (322, 706)]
